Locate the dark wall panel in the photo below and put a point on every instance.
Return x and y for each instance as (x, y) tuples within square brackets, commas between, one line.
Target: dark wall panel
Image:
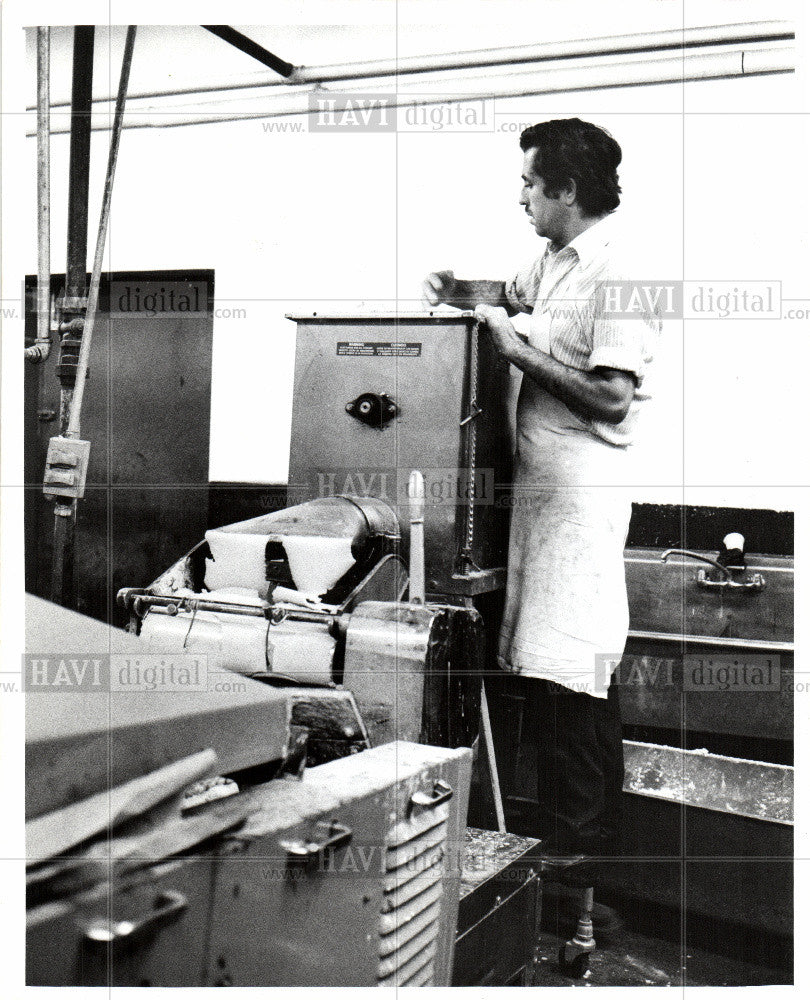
[(147, 415)]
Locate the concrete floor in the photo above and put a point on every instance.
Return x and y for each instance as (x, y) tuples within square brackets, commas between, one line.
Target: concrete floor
[(636, 960)]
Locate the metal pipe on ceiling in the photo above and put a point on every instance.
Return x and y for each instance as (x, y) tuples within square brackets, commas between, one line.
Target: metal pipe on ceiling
[(685, 68), (725, 34), (643, 42)]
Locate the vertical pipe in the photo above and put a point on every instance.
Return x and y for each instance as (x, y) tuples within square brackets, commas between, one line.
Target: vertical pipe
[(64, 535), (43, 187), (79, 169), (64, 547), (65, 513), (74, 423), (41, 348)]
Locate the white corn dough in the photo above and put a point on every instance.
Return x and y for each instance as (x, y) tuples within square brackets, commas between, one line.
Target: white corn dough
[(232, 595), (244, 645), (238, 560), (231, 642), (284, 595), (317, 562), (301, 649)]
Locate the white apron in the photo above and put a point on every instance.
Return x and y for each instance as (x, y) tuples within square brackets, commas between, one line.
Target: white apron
[(566, 615)]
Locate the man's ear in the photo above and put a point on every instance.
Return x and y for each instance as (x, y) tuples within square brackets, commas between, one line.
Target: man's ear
[(568, 194)]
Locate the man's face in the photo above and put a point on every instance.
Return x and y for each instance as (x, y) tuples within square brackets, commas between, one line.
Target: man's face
[(546, 214)]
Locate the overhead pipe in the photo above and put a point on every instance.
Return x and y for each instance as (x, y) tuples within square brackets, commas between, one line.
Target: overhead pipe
[(759, 32), (657, 41), (40, 350), (686, 68)]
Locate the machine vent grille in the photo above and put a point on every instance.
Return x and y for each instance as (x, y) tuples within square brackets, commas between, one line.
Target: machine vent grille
[(412, 892)]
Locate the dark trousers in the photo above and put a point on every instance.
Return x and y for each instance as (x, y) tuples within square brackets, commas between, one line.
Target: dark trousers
[(580, 769)]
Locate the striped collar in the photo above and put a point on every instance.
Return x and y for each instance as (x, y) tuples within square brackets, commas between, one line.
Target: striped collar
[(588, 244)]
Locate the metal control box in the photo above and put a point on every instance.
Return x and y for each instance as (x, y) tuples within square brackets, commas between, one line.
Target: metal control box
[(377, 396)]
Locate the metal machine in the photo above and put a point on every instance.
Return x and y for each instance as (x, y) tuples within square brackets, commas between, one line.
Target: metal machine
[(178, 838), (295, 828), (315, 593), (376, 396), (414, 668), (331, 802)]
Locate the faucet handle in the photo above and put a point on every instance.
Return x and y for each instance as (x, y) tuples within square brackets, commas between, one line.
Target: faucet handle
[(733, 551)]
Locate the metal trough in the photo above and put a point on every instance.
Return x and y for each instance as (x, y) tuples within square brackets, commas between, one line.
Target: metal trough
[(703, 780), (710, 838)]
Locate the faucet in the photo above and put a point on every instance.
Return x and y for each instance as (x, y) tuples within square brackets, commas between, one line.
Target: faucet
[(696, 555)]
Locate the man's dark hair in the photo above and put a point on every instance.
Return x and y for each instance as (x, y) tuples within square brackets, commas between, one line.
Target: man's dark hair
[(571, 149)]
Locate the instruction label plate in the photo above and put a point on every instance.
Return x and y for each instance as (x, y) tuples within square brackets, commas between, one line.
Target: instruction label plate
[(377, 348)]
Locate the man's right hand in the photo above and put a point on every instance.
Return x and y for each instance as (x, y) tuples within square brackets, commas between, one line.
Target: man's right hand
[(439, 287)]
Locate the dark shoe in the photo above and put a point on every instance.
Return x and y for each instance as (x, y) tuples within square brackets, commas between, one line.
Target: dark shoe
[(561, 910)]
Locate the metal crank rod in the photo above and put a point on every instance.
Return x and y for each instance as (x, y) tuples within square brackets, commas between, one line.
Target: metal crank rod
[(141, 603)]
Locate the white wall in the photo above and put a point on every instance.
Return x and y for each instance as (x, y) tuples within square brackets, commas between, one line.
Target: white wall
[(713, 178)]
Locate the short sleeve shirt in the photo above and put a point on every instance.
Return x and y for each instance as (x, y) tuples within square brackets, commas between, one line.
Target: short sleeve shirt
[(590, 310)]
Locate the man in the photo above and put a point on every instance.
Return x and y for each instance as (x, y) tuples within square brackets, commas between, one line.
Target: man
[(566, 617)]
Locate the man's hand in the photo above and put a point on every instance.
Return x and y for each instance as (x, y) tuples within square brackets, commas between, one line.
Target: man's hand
[(444, 287), (601, 394), (501, 332), (439, 287)]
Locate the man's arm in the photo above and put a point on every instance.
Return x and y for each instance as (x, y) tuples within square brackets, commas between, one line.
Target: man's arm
[(444, 286), (602, 394)]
